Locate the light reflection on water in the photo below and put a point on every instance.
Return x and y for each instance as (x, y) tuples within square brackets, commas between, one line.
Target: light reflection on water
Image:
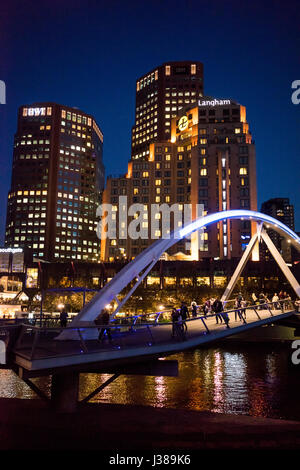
[(247, 379)]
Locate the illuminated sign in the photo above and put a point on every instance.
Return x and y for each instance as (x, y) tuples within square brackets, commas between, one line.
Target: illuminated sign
[(184, 136), (37, 111), (11, 250), (213, 102), (183, 123)]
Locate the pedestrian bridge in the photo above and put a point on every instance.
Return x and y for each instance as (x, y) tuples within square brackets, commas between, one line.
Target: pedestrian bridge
[(149, 336), (141, 338), (32, 351)]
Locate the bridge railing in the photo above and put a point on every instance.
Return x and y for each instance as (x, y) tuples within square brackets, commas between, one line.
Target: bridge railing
[(166, 314), (38, 343)]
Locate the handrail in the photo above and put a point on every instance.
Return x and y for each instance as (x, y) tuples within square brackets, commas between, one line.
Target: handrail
[(141, 325)]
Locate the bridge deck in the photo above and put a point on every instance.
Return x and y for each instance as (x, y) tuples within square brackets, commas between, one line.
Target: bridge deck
[(40, 349)]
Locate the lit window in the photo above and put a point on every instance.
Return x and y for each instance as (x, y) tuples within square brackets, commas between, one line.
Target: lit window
[(243, 171)]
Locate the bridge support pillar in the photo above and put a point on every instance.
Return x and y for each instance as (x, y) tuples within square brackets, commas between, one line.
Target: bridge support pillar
[(64, 392)]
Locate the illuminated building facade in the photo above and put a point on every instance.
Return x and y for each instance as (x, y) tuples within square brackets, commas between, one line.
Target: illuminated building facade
[(57, 182), (281, 209), (209, 160), (159, 95)]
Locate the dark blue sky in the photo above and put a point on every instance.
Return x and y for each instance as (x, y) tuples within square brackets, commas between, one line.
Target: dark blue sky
[(88, 54)]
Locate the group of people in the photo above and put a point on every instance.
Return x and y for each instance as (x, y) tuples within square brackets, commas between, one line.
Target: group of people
[(215, 306), (280, 301), (179, 317), (212, 306)]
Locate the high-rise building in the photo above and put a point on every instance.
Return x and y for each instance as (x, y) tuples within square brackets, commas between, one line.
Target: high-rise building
[(57, 182), (208, 160), (281, 209), (159, 95)]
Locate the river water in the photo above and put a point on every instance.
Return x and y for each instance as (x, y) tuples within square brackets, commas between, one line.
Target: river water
[(249, 379)]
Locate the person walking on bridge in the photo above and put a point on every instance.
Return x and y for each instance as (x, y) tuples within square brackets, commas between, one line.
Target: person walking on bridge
[(207, 307), (238, 304), (254, 298), (103, 320), (194, 308), (184, 315), (220, 314), (244, 304), (217, 308), (262, 301), (177, 327), (63, 318), (275, 300)]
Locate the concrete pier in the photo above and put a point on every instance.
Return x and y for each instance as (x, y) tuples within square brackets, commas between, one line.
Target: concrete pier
[(64, 392)]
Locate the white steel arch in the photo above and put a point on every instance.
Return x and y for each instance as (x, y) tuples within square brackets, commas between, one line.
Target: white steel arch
[(144, 262)]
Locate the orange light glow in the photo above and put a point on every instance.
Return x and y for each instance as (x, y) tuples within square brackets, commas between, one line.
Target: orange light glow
[(129, 172)]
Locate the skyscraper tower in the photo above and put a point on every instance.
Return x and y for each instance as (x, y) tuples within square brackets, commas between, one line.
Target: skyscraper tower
[(160, 93), (57, 181), (281, 209)]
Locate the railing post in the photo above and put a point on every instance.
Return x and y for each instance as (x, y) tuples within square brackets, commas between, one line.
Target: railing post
[(268, 308), (255, 310), (35, 340), (148, 328), (64, 392), (205, 325), (83, 345)]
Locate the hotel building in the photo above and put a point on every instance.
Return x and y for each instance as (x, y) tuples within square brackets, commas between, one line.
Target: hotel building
[(159, 95), (57, 182), (209, 159)]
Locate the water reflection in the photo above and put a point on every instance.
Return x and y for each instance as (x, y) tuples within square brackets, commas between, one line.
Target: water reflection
[(218, 383), (11, 386), (249, 379)]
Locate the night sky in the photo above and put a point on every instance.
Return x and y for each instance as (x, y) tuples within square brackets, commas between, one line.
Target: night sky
[(88, 54)]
